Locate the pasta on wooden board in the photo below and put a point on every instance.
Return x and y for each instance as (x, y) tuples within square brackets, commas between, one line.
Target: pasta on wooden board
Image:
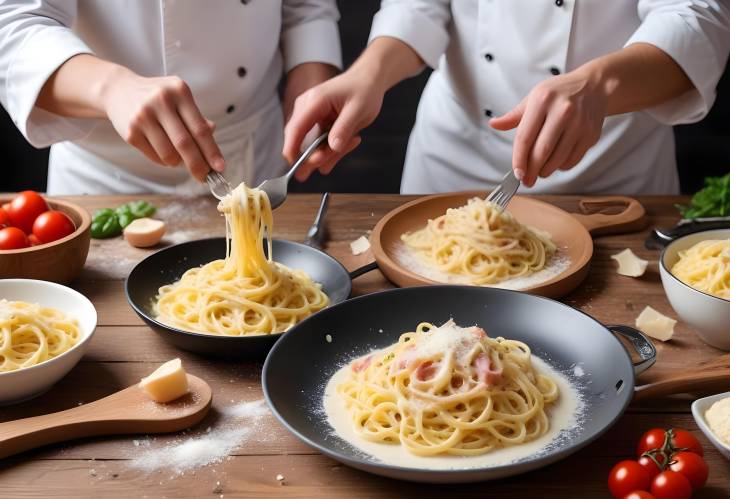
[(481, 243)]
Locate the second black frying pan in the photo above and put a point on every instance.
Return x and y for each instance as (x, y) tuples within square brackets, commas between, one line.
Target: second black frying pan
[(302, 362), (168, 265)]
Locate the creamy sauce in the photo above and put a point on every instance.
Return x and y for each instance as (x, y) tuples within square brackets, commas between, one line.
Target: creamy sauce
[(564, 414), (557, 264)]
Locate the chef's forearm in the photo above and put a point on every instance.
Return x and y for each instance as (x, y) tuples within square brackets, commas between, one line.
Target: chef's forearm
[(637, 77), (77, 88), (387, 61)]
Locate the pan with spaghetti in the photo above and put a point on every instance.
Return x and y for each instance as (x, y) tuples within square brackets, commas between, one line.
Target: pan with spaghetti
[(45, 329), (453, 383), (459, 238), (234, 297), (695, 272)]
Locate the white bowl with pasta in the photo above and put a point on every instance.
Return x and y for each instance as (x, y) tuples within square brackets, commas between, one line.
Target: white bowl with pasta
[(706, 313), (26, 368)]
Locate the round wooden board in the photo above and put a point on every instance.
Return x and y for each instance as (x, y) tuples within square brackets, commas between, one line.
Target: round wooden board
[(569, 232)]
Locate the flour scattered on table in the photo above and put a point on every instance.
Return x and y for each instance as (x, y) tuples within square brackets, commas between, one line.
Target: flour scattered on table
[(240, 423), (256, 409)]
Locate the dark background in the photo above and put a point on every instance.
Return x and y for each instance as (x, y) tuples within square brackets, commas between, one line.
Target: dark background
[(702, 149)]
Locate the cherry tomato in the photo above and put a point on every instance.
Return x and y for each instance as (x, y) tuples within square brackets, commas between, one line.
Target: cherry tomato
[(649, 465), (639, 494), (5, 206), (25, 208), (685, 440), (692, 466), (626, 477), (652, 439), (681, 439), (671, 485), (12, 238), (4, 218), (34, 241), (52, 225)]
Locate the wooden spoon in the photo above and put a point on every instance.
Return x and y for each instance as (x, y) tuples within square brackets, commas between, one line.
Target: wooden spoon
[(709, 376), (127, 411)]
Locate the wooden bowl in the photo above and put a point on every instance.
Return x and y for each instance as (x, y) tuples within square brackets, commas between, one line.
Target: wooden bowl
[(58, 261), (571, 233)]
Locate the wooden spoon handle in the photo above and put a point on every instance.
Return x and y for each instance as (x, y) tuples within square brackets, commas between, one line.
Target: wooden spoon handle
[(24, 434), (688, 382), (630, 219)]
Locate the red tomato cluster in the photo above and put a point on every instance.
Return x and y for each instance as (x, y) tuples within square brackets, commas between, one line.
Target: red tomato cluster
[(27, 220), (669, 466)]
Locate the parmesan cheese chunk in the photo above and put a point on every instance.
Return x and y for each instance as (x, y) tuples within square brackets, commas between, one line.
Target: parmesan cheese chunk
[(629, 264), (144, 232), (360, 245), (169, 382), (656, 325)]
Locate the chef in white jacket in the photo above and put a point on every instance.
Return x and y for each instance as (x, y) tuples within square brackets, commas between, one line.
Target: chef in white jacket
[(149, 95), (587, 88)]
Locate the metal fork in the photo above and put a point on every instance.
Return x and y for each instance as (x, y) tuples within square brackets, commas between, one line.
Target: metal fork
[(504, 191), (276, 188), (218, 184)]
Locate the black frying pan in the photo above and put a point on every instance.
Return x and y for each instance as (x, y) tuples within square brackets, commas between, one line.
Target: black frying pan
[(168, 265), (302, 362)]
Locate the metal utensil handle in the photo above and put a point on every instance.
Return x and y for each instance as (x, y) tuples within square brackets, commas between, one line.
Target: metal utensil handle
[(322, 210), (643, 346), (305, 155)]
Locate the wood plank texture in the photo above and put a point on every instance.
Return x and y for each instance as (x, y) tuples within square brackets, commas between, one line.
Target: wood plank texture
[(124, 350)]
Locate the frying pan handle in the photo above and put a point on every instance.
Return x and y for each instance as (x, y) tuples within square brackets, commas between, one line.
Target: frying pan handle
[(594, 218), (643, 346), (363, 270)]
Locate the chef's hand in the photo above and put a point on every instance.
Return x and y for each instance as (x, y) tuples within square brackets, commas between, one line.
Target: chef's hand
[(558, 121), (159, 117), (303, 77), (345, 104)]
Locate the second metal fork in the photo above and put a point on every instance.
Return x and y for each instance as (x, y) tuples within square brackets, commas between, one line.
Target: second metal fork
[(504, 191)]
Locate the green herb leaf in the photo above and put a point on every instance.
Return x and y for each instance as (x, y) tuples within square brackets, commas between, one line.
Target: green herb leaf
[(713, 200)]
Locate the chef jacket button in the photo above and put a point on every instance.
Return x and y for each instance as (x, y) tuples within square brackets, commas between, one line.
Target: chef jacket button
[(554, 71), (559, 3), (241, 72), (489, 57), (488, 113), (230, 109)]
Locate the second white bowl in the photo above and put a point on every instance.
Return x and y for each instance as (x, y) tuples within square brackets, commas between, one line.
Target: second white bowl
[(23, 384), (706, 314)]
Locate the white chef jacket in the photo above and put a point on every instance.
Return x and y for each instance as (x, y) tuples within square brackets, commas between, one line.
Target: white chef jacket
[(489, 54), (230, 52)]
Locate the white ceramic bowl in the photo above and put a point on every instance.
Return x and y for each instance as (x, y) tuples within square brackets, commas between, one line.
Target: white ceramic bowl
[(706, 314), (23, 384), (699, 407)]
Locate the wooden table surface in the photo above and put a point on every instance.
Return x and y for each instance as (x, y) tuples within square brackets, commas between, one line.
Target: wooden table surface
[(124, 349)]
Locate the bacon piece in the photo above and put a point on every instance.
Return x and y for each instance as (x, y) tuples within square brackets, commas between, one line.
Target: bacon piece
[(486, 372), (427, 370), (361, 364)]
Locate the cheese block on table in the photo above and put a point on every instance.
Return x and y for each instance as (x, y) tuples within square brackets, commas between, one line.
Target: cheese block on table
[(656, 325), (629, 264), (169, 382)]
